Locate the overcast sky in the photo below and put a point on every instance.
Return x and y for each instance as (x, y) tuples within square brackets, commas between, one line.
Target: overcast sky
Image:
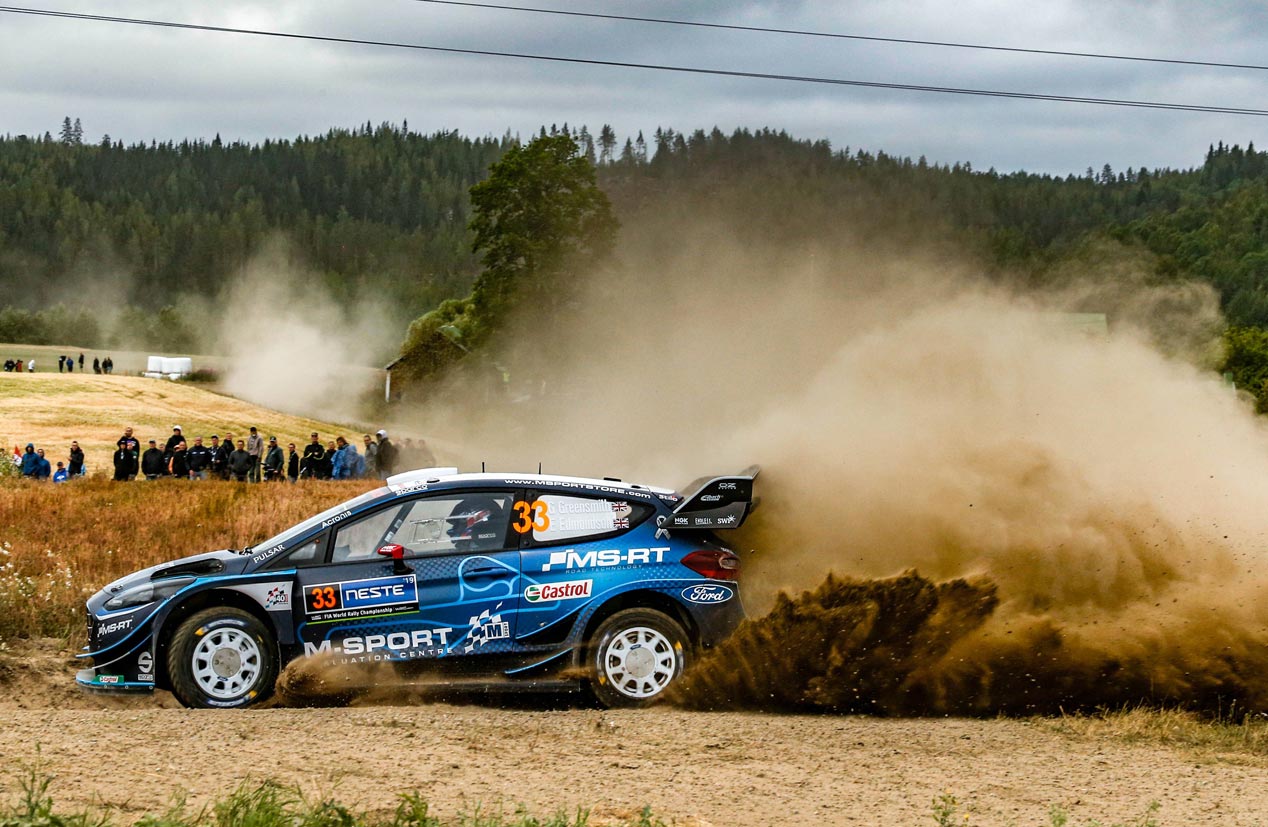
[(137, 83)]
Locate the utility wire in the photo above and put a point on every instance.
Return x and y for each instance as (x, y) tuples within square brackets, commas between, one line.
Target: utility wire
[(840, 36), (949, 90)]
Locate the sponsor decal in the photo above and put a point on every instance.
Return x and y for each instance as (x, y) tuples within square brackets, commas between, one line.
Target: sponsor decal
[(116, 626), (278, 597), (327, 523), (727, 486), (109, 678), (552, 592), (145, 663), (710, 593), (485, 627), (606, 489), (371, 597), (417, 485), (418, 643), (273, 595), (607, 558), (265, 555), (711, 498)]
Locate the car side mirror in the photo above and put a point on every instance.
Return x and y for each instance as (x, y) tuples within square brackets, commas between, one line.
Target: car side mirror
[(397, 552)]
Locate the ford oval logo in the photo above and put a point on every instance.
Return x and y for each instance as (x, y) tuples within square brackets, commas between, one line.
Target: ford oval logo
[(707, 594)]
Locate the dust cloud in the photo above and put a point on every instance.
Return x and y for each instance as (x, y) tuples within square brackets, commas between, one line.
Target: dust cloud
[(1084, 509), (288, 344)]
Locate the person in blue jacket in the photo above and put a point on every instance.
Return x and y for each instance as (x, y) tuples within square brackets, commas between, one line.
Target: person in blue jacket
[(30, 461), (43, 470), (61, 474)]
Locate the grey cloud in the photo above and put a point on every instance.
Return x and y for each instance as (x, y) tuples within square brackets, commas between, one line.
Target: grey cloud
[(139, 84)]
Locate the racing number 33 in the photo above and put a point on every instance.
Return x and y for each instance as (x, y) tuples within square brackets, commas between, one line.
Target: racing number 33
[(323, 597), (534, 515)]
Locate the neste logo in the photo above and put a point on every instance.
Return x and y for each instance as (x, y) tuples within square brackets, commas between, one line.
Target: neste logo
[(551, 592)]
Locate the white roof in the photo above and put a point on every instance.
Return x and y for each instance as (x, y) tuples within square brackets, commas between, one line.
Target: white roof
[(413, 480)]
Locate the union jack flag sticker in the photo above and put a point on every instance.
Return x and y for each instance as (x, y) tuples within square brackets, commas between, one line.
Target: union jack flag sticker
[(621, 522)]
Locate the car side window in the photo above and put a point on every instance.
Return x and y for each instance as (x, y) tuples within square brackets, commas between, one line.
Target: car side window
[(458, 522), (360, 539), (308, 554), (554, 518)]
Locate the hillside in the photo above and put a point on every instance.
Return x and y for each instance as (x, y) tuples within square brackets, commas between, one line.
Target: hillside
[(151, 233), (51, 409)]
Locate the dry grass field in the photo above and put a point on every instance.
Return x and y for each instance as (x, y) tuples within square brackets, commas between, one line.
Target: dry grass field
[(52, 409), (60, 543)]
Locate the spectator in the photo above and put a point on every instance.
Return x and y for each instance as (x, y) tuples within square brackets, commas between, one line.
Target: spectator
[(199, 459), (153, 462), (125, 463), (70, 365), (220, 457), (292, 463), (353, 462), (178, 463), (274, 462), (81, 361), (313, 455), (387, 455), (326, 466), (172, 441), (255, 447), (60, 475), (107, 365), (30, 366), (30, 461), (371, 457), (61, 364), (335, 451), (240, 463), (76, 468), (96, 365), (43, 470), (130, 444)]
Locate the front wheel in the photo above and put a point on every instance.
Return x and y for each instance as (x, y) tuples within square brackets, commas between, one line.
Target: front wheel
[(222, 658), (637, 654)]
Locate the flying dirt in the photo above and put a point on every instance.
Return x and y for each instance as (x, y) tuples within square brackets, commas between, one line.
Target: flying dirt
[(1079, 515)]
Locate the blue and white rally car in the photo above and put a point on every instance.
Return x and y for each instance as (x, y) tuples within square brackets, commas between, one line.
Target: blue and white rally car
[(480, 580)]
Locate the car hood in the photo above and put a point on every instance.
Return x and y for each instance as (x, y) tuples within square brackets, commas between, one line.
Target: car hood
[(207, 564)]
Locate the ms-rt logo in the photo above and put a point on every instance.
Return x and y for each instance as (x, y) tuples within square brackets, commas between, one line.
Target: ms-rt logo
[(607, 558)]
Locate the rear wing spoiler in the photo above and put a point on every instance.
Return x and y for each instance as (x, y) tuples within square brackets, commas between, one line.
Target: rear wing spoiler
[(714, 502)]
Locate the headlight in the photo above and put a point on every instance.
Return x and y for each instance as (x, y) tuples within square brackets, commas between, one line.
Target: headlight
[(148, 592)]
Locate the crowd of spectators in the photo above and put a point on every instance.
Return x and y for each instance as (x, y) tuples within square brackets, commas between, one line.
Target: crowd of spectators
[(65, 364), (255, 459), (249, 459), (32, 463)]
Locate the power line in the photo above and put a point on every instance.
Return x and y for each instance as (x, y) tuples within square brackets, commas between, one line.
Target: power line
[(948, 90), (841, 36)]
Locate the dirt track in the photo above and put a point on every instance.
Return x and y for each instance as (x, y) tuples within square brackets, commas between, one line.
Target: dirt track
[(707, 768)]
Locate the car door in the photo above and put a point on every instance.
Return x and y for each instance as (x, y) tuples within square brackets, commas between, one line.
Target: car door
[(452, 594)]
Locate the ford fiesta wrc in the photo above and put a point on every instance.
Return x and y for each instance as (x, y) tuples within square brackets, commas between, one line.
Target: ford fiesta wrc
[(480, 581)]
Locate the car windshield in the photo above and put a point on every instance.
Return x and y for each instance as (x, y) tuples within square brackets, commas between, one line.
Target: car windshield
[(312, 522)]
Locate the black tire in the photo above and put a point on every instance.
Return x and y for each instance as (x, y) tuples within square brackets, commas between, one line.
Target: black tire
[(635, 655), (222, 658)]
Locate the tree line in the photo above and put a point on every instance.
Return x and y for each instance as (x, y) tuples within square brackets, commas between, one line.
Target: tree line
[(385, 211)]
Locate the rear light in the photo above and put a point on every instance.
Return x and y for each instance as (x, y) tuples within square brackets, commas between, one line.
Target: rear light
[(713, 564)]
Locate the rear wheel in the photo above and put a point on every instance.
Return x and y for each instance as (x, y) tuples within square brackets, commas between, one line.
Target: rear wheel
[(637, 654), (222, 658)]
